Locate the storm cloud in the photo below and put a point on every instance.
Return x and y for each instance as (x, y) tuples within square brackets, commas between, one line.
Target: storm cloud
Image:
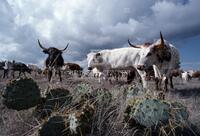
[(90, 25)]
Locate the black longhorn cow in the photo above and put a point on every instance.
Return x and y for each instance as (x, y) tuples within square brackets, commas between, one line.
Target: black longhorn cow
[(54, 60)]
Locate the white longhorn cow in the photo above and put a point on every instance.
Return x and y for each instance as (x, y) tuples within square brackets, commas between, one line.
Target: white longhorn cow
[(106, 60), (161, 54)]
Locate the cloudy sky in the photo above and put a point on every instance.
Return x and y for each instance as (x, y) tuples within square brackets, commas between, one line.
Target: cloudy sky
[(96, 24)]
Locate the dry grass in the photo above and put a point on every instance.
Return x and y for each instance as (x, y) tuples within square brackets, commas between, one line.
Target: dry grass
[(108, 119)]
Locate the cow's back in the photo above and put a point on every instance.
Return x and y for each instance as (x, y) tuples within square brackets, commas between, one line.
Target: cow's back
[(121, 57)]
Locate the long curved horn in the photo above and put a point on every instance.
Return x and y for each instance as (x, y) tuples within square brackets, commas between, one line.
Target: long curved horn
[(65, 47), (162, 40), (41, 45), (132, 44)]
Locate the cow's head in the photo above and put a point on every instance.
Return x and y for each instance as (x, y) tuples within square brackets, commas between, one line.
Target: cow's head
[(94, 59), (53, 53), (155, 53)]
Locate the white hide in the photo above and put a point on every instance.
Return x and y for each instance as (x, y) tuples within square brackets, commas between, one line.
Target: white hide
[(116, 58), (185, 77)]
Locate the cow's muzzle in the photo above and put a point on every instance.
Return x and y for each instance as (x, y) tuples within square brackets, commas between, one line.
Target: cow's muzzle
[(89, 68), (140, 67)]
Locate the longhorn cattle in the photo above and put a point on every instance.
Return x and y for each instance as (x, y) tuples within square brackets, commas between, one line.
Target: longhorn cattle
[(185, 76), (54, 60), (106, 60), (161, 54), (4, 65), (19, 66), (73, 67), (196, 75), (176, 73), (97, 74)]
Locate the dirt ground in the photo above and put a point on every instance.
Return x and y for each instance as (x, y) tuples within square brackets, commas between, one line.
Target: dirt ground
[(22, 123)]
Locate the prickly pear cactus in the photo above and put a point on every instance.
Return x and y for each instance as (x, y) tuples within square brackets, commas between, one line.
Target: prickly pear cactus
[(149, 112), (21, 94), (55, 99), (103, 96), (82, 88), (179, 112), (133, 90), (55, 126), (79, 121), (154, 112)]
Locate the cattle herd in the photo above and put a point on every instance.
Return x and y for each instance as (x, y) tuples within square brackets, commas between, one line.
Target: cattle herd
[(158, 61)]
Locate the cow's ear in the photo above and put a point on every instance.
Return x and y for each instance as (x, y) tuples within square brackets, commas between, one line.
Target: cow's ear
[(98, 54)]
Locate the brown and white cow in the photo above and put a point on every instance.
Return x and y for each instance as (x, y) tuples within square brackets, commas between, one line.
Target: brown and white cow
[(161, 54), (196, 74), (73, 67)]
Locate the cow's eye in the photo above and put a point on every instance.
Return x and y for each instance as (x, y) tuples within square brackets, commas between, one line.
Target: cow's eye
[(149, 54)]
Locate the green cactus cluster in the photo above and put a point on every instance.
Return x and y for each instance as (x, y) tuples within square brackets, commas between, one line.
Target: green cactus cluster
[(102, 96), (54, 126), (22, 93), (133, 90), (82, 88), (79, 121), (74, 123), (54, 100), (179, 112), (155, 113)]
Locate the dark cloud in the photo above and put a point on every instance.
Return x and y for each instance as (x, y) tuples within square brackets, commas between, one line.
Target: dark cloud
[(90, 24)]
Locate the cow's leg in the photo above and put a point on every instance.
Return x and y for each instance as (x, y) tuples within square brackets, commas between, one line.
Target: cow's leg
[(19, 73), (13, 74), (157, 83), (143, 77), (171, 82), (49, 75), (59, 72), (4, 73), (24, 74), (166, 83)]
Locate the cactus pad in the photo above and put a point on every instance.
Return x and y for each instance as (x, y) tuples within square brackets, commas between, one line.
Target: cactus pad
[(21, 94)]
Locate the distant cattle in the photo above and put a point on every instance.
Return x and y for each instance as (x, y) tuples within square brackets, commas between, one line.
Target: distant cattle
[(176, 73), (185, 76), (73, 68), (196, 75), (98, 74), (54, 60), (20, 67), (4, 65), (12, 67)]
